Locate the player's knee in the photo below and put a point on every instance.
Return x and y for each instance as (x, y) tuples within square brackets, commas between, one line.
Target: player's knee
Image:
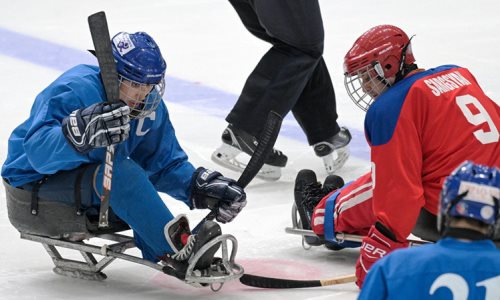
[(125, 170)]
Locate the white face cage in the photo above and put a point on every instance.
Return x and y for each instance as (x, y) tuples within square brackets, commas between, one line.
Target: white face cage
[(142, 98), (366, 84)]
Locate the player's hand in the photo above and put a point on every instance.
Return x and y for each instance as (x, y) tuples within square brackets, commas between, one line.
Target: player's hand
[(99, 125), (220, 194), (375, 246)]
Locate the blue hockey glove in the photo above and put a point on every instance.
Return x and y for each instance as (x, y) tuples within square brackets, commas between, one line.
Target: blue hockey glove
[(99, 125), (209, 189)]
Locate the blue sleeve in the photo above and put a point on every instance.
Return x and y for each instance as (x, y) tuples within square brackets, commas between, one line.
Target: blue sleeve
[(160, 154), (374, 286), (44, 144), (37, 147)]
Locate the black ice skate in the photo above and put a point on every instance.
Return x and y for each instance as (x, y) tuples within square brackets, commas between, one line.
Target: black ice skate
[(236, 141), (308, 192), (338, 146), (186, 245)]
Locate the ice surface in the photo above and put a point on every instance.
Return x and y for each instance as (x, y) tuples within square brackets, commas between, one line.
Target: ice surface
[(209, 55)]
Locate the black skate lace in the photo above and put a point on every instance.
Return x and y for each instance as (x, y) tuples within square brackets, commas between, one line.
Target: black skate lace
[(312, 195), (186, 251)]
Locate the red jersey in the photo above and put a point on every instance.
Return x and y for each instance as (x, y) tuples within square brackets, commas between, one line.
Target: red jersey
[(419, 131)]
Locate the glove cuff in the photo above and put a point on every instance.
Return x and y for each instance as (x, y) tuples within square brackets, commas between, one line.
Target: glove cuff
[(381, 239), (201, 177), (69, 135)]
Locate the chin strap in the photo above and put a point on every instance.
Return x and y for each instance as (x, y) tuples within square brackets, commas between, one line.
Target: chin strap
[(405, 71)]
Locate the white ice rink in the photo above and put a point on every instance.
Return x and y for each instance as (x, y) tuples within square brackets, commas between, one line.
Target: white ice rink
[(209, 55)]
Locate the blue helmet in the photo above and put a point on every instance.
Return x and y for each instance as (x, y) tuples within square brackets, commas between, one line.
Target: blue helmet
[(471, 191), (138, 57)]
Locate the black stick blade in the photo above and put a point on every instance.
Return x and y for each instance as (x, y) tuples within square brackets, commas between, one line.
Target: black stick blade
[(277, 283)]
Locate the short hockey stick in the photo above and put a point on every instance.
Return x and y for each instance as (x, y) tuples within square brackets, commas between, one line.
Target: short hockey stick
[(280, 283), (266, 140), (102, 44), (341, 237)]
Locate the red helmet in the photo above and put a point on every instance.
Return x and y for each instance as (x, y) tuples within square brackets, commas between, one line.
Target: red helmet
[(375, 56), (384, 44)]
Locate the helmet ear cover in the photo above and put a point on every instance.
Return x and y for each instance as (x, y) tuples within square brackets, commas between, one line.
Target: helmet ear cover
[(390, 66)]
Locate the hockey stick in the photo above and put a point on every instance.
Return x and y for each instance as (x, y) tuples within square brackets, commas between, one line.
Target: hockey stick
[(102, 44), (280, 283), (341, 237), (266, 140)]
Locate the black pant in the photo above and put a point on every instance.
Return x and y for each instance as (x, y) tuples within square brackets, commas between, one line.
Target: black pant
[(426, 226), (292, 75)]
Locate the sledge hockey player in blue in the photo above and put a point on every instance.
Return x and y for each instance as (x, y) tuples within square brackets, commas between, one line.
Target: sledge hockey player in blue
[(464, 264), (56, 155)]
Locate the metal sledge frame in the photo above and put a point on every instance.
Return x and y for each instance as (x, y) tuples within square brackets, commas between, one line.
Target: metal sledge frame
[(339, 236), (92, 268)]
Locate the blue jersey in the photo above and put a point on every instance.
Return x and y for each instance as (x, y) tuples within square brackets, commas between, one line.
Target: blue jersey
[(38, 147), (450, 269)]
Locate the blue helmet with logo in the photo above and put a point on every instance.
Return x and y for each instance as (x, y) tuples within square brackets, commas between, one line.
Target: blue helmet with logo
[(471, 191), (141, 69), (138, 57)]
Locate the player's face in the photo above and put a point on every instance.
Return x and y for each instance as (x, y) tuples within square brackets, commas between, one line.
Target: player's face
[(134, 93), (372, 84), (366, 83)]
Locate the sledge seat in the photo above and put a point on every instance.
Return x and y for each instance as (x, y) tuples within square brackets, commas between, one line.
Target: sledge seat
[(53, 219)]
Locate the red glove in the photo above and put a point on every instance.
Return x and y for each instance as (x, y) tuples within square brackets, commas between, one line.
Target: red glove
[(375, 246)]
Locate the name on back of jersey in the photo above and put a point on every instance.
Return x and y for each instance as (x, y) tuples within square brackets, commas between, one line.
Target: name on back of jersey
[(446, 83)]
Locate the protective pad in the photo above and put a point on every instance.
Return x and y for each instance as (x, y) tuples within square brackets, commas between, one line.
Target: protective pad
[(329, 224)]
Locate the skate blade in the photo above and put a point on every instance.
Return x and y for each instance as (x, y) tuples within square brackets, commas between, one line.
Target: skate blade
[(225, 156), (332, 163), (80, 274)]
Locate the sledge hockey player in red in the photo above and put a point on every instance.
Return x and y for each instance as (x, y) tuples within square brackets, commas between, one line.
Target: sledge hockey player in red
[(420, 125)]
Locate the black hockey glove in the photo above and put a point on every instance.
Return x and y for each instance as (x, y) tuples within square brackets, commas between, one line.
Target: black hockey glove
[(209, 189), (99, 125)]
